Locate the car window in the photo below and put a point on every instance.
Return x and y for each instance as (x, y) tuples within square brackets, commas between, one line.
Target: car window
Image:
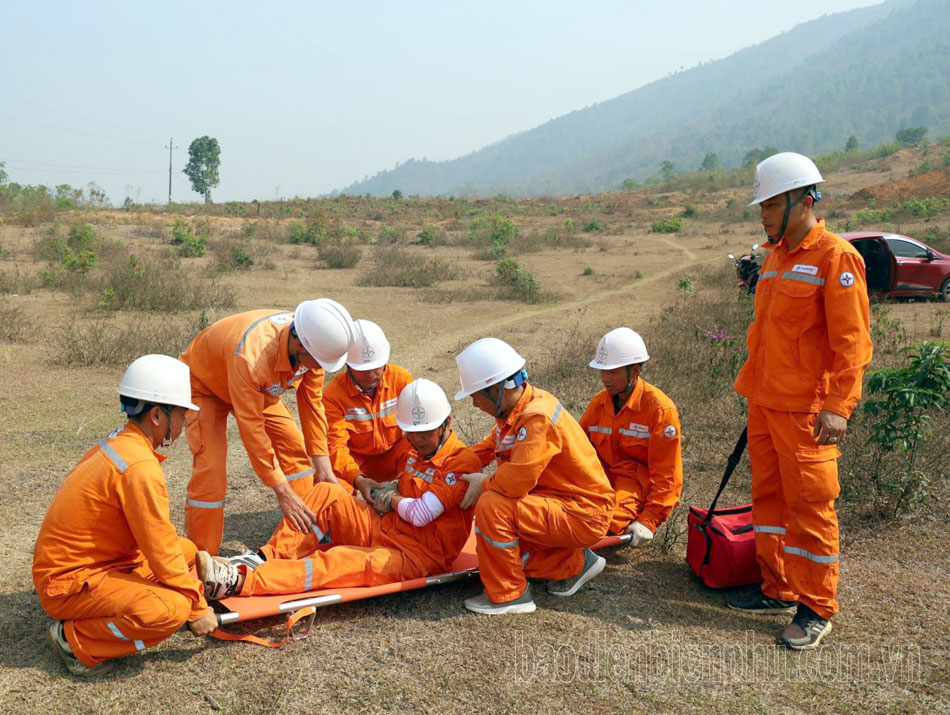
[(906, 249)]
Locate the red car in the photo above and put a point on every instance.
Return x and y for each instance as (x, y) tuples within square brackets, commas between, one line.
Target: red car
[(901, 266)]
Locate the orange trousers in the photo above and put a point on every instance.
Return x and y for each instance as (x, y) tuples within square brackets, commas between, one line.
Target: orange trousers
[(123, 613), (533, 536), (207, 438), (346, 548), (794, 485), (630, 495)]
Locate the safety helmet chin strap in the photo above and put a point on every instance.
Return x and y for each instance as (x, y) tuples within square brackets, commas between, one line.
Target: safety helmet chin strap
[(516, 380), (789, 205), (349, 371), (137, 409), (443, 434)]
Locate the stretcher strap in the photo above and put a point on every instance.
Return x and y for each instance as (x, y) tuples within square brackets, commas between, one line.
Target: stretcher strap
[(292, 619)]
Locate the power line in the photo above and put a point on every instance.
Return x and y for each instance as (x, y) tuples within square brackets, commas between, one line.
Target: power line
[(13, 118), (72, 166), (78, 116)]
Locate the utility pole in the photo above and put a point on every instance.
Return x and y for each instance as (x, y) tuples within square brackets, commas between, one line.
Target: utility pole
[(170, 147)]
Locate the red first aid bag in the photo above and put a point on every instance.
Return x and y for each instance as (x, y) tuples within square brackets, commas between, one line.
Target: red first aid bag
[(720, 545)]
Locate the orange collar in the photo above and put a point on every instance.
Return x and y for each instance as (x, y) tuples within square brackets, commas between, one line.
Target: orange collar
[(811, 238), (282, 363), (140, 434), (522, 402), (353, 389)]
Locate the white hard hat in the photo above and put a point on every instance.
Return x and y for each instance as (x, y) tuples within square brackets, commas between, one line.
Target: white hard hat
[(422, 406), (484, 363), (326, 330), (619, 347), (783, 172), (160, 379), (370, 349)]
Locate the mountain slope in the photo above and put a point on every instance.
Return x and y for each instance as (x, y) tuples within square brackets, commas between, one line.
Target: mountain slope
[(867, 72)]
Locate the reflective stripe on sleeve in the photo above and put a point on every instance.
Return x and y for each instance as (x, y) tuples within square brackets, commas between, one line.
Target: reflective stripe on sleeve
[(767, 274), (299, 475), (253, 325), (113, 455)]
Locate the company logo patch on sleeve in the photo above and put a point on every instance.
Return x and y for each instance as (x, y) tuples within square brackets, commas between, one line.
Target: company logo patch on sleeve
[(805, 268), (451, 479), (522, 433), (846, 279), (282, 319), (669, 431)]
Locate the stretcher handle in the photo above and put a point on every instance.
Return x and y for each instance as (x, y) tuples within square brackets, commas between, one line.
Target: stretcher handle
[(308, 612), (731, 465)]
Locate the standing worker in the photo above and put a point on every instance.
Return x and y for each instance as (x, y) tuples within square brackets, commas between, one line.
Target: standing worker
[(363, 437), (243, 364), (107, 560), (809, 346), (635, 429), (548, 501)]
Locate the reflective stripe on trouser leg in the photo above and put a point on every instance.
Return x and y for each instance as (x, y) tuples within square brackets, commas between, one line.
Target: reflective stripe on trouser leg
[(206, 431), (124, 613), (497, 544), (288, 444)]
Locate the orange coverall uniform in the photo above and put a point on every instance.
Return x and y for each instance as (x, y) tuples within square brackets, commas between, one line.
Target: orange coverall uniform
[(107, 559), (363, 436), (639, 447), (367, 548), (548, 499), (240, 364), (808, 348)]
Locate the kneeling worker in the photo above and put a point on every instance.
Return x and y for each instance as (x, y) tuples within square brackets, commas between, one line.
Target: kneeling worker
[(548, 500), (363, 436), (107, 560), (635, 429), (419, 528)]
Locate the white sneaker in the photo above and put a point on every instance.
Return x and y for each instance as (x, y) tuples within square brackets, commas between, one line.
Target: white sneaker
[(481, 604), (57, 640), (219, 576), (250, 560), (593, 565)]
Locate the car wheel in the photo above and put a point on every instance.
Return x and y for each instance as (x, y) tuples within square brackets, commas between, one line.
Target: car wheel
[(945, 291)]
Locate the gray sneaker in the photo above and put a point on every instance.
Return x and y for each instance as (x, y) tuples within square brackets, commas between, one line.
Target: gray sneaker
[(57, 640), (755, 601), (806, 630), (250, 560), (593, 565), (481, 604), (219, 576)]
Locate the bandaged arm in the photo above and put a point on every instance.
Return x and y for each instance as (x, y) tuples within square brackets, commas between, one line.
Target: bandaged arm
[(421, 511)]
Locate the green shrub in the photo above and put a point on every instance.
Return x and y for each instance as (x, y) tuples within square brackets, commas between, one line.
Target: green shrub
[(340, 253), (516, 283), (431, 236), (670, 224), (397, 266), (189, 244), (588, 271), (593, 225), (158, 285), (689, 211)]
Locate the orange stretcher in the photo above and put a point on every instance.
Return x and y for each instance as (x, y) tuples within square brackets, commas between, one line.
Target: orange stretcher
[(246, 608)]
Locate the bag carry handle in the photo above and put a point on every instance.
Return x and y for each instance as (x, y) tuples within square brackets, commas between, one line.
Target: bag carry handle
[(730, 468)]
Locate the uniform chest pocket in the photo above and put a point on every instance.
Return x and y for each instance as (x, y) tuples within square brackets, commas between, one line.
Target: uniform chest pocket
[(795, 297)]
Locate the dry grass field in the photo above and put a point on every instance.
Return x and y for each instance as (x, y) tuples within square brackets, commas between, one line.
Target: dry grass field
[(644, 636)]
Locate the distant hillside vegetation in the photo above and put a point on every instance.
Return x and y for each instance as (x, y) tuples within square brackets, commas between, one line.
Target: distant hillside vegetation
[(868, 72)]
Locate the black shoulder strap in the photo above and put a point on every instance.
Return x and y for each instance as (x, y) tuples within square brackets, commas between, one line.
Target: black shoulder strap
[(730, 468)]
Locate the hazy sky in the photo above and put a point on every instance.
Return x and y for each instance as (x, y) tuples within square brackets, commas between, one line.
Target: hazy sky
[(306, 97)]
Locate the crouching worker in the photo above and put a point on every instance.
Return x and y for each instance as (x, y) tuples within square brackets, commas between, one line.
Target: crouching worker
[(108, 563), (548, 500), (635, 429), (416, 529)]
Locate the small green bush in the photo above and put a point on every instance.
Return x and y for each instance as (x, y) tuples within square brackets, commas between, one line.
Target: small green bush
[(341, 253), (431, 236), (670, 224), (189, 244), (593, 225), (516, 283), (397, 266)]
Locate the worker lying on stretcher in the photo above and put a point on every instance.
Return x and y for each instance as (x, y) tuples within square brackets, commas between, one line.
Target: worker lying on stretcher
[(408, 528)]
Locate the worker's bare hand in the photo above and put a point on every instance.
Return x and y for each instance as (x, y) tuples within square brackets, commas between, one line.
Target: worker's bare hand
[(474, 488), (296, 512), (830, 428), (323, 471), (365, 485), (206, 625)]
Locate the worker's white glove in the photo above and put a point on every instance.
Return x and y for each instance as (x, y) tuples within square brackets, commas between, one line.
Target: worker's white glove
[(640, 534)]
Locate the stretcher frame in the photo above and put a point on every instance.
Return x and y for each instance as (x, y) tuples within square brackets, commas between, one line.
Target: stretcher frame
[(247, 608)]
